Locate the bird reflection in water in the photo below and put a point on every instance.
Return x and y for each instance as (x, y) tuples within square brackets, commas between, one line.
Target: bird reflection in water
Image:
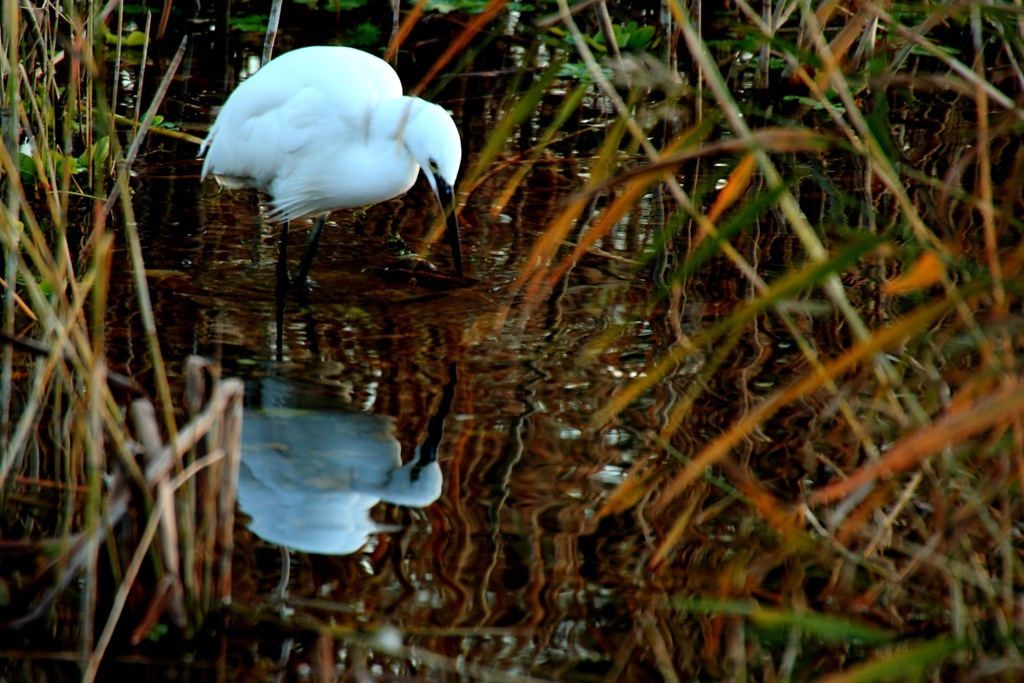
[(309, 478)]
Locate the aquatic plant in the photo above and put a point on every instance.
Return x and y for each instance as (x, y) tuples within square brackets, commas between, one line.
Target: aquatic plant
[(109, 489), (897, 297), (812, 217)]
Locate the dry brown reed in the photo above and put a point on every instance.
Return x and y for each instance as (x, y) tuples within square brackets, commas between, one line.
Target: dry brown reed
[(886, 532), (133, 504)]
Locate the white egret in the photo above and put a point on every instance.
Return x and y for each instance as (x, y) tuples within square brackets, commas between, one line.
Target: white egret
[(325, 128)]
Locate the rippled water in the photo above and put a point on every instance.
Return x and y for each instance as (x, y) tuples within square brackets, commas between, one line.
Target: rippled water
[(505, 568), (508, 566)]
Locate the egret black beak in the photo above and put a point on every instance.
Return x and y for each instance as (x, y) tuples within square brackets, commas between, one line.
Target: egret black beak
[(446, 195)]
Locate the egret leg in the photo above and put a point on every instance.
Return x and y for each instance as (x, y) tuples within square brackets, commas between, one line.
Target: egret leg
[(307, 256), (456, 246), (281, 593), (282, 288), (282, 259)]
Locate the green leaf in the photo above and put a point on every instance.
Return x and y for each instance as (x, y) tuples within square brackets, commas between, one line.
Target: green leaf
[(135, 39), (27, 169), (364, 34), (74, 165), (472, 6), (249, 23), (814, 625), (901, 663), (642, 38), (97, 155), (823, 627)]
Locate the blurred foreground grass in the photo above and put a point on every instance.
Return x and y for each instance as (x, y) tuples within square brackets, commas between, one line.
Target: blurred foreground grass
[(874, 480)]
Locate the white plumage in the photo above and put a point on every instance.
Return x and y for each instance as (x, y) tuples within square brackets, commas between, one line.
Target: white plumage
[(324, 128)]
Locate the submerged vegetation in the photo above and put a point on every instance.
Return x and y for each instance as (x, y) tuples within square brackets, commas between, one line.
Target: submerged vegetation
[(812, 217)]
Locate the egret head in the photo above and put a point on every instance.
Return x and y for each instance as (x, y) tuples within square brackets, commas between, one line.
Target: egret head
[(433, 141), (415, 484)]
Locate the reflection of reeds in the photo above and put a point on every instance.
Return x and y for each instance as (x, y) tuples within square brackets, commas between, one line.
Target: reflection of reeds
[(164, 523), (914, 428)]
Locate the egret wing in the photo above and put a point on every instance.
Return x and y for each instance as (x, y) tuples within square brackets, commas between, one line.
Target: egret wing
[(292, 109)]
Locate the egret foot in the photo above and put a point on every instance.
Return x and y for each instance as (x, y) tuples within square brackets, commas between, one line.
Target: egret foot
[(419, 272)]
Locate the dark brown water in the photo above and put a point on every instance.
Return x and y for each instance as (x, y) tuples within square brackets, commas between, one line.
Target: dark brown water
[(509, 569)]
